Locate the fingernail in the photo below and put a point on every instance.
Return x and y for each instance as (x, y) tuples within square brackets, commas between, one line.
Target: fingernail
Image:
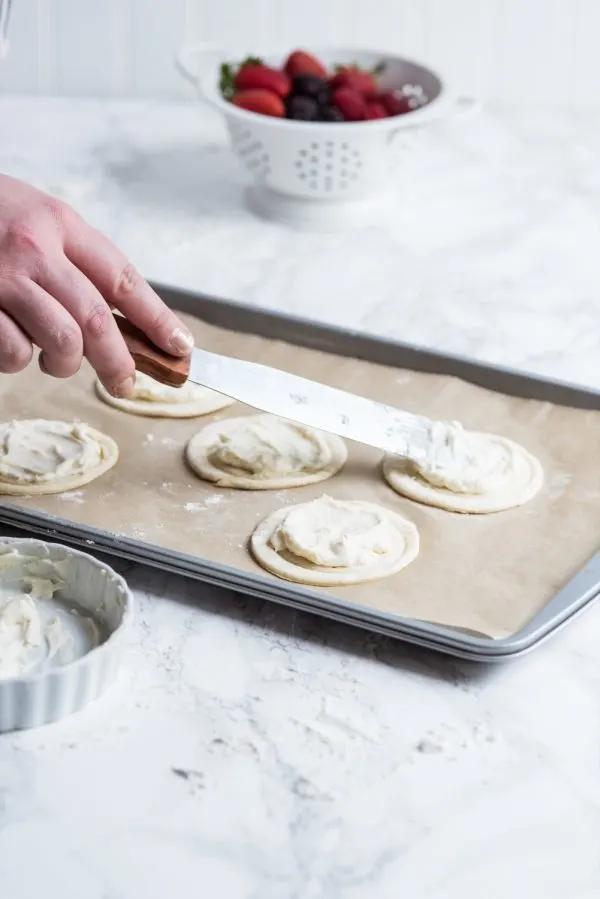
[(124, 389), (182, 341)]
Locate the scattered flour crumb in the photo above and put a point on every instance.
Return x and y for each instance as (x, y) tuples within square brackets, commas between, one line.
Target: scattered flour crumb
[(169, 441), (348, 720), (448, 739), (201, 506), (306, 789), (75, 497), (429, 746), (559, 483), (149, 438)]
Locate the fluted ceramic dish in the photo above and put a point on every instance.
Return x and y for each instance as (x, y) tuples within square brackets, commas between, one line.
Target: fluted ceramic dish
[(92, 588)]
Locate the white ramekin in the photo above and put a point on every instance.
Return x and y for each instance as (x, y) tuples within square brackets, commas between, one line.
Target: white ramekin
[(27, 702)]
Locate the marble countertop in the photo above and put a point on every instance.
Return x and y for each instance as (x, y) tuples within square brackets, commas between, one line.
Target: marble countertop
[(251, 752)]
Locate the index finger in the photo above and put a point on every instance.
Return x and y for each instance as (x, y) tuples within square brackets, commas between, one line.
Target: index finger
[(123, 287)]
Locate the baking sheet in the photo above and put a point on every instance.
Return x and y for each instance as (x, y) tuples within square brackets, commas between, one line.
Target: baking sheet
[(489, 574)]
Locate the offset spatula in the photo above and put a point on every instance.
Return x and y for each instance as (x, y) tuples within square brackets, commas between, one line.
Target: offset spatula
[(297, 399)]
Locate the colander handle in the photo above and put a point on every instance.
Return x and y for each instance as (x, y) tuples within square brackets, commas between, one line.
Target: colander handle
[(185, 63), (459, 107)]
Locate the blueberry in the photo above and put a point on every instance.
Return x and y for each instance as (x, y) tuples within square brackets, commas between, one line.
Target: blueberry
[(303, 109), (311, 86), (331, 114)]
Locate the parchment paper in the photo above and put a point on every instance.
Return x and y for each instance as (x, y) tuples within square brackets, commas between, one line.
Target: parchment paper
[(489, 573)]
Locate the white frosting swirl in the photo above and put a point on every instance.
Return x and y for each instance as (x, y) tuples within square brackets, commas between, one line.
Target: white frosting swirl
[(263, 445), (463, 462), (36, 451), (148, 390), (37, 632), (335, 534)]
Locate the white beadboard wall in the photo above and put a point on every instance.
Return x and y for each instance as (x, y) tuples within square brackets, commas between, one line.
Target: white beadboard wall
[(541, 53)]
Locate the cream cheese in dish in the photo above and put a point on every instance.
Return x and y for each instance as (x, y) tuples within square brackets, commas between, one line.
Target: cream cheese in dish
[(38, 631), (264, 452), (42, 456), (329, 542), (467, 472), (156, 400)]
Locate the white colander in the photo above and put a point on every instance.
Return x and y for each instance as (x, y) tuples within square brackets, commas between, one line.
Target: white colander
[(328, 174)]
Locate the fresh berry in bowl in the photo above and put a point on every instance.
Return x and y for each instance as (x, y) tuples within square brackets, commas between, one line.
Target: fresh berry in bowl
[(324, 136), (312, 91)]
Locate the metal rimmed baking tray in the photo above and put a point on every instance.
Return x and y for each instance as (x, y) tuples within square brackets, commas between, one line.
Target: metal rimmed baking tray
[(509, 401)]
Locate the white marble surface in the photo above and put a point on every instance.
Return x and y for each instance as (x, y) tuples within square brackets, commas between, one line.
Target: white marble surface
[(249, 752)]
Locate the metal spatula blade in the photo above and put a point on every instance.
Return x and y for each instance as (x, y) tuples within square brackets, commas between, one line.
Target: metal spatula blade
[(314, 404), (288, 396)]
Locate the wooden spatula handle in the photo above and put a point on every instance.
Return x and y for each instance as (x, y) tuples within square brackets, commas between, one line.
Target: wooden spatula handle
[(150, 359)]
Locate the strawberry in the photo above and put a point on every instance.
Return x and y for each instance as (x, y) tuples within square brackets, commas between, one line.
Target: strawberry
[(376, 110), (261, 101), (351, 104), (229, 73), (253, 76), (302, 63), (395, 103), (356, 79)]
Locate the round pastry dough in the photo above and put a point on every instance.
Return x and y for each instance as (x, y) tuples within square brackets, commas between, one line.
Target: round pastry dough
[(157, 400), (39, 456), (264, 452), (468, 472), (333, 543)]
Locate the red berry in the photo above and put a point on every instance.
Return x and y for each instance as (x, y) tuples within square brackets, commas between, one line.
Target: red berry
[(302, 63), (395, 104), (351, 104), (358, 80), (258, 77), (376, 110), (261, 101)]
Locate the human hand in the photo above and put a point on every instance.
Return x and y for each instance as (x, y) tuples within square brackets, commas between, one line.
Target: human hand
[(59, 278)]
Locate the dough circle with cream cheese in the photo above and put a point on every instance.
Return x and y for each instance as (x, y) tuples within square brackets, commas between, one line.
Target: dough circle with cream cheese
[(39, 456), (468, 472), (333, 543), (264, 452), (156, 400)]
